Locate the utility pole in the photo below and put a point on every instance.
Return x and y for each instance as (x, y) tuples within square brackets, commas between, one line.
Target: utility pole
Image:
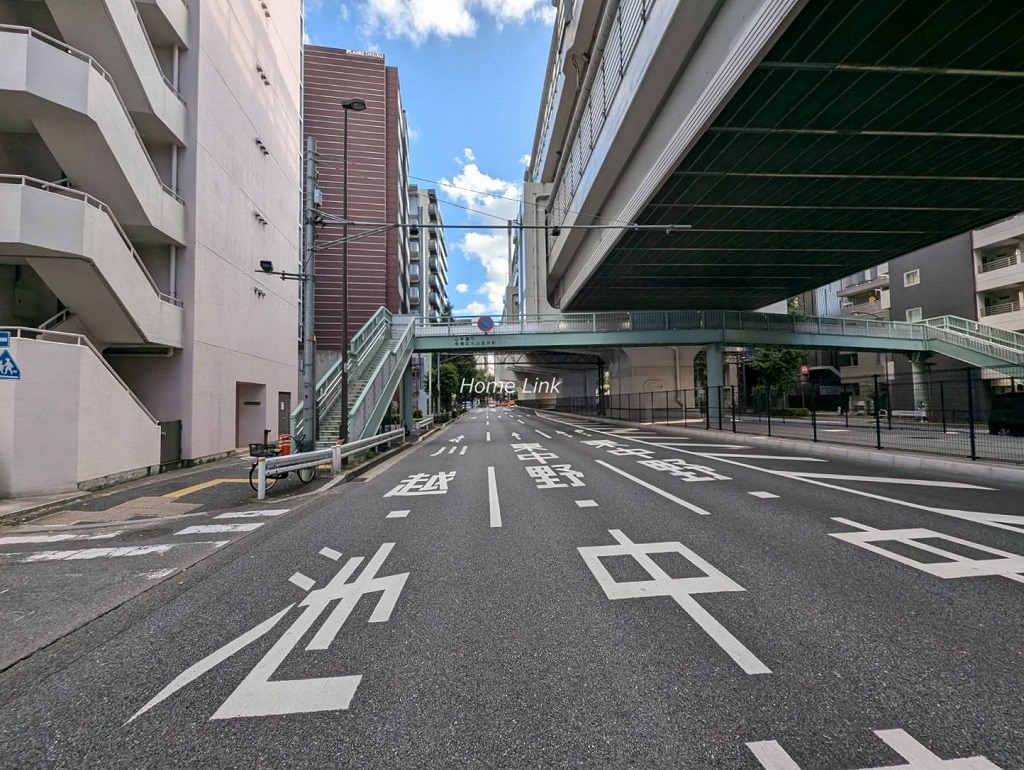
[(310, 428)]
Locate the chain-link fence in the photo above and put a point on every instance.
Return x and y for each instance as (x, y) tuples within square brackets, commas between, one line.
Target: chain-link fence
[(978, 414)]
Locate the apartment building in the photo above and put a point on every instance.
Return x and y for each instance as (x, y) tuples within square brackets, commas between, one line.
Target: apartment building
[(427, 280), (149, 160), (369, 185)]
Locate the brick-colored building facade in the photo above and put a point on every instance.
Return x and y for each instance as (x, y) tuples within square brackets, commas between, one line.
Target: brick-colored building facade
[(377, 174)]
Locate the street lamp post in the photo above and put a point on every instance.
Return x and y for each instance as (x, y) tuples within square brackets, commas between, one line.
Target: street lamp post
[(349, 105)]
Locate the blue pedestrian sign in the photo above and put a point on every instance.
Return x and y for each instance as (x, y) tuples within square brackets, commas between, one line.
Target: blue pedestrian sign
[(8, 369)]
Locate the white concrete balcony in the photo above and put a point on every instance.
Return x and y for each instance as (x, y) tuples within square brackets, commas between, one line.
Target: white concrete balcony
[(65, 96), (73, 242), (112, 31)]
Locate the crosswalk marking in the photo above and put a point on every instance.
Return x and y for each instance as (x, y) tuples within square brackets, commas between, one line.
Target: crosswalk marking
[(763, 495), (397, 515), (204, 529), (251, 514), (23, 539), (113, 553)]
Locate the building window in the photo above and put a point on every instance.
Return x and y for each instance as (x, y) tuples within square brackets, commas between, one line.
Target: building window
[(912, 278), (914, 314)]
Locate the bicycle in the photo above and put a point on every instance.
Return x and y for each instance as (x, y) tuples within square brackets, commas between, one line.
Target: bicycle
[(257, 451)]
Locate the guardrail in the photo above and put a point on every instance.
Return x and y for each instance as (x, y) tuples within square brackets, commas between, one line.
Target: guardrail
[(334, 455), (425, 424)]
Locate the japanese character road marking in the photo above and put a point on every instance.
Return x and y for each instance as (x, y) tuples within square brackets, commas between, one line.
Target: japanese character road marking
[(680, 589), (773, 757), (423, 484), (257, 695), (547, 476), (678, 467), (1008, 565), (534, 452)]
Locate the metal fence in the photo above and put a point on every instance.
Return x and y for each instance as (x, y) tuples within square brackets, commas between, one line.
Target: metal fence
[(945, 413)]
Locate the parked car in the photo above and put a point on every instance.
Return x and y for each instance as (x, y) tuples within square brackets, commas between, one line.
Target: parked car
[(1007, 415)]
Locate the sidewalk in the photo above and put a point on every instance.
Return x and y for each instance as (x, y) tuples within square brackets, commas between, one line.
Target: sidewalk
[(217, 486)]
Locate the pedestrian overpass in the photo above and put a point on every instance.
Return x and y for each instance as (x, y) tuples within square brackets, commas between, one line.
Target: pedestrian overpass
[(382, 350)]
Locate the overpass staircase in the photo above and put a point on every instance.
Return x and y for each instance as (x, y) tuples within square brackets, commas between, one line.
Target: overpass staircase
[(378, 356)]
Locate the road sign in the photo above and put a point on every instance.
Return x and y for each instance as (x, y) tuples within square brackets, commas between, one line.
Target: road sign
[(485, 323), (8, 369), (5, 339)]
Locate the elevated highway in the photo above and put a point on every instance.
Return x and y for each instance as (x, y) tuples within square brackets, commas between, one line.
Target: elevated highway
[(800, 140)]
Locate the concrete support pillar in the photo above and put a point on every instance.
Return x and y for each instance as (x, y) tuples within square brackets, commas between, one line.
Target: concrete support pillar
[(716, 380), (919, 366), (407, 391)]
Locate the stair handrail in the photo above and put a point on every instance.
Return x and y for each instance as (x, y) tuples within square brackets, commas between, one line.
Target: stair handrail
[(27, 332), (367, 406), (54, 320), (364, 345), (1009, 355), (67, 192), (1003, 336), (82, 56), (156, 60)]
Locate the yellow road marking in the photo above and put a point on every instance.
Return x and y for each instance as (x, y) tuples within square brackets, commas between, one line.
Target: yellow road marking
[(204, 485)]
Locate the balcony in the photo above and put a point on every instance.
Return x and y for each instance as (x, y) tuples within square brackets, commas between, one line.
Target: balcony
[(1000, 309), (988, 263), (65, 96)]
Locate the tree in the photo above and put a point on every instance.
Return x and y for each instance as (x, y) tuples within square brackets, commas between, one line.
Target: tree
[(453, 373), (778, 367)]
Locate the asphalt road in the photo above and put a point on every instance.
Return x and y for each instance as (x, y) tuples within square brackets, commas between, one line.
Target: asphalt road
[(539, 591)]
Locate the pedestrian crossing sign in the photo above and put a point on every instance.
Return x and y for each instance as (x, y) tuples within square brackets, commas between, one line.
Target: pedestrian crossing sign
[(8, 369)]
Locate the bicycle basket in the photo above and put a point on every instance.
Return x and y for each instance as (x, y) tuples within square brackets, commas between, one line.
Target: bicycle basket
[(263, 450)]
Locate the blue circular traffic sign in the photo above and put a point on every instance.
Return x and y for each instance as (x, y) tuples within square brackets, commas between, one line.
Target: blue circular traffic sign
[(485, 323)]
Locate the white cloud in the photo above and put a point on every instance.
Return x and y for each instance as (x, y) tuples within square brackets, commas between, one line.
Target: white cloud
[(473, 308), (468, 154), (415, 134), (419, 19), (462, 288), (483, 193), (525, 159), (491, 251)]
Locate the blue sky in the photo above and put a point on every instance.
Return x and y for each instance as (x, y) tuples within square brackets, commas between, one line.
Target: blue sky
[(471, 72)]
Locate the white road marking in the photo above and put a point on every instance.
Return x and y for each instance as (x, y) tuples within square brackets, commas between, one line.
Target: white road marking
[(681, 590), (330, 553), (219, 656), (488, 435), (889, 480), (772, 756), (587, 503), (113, 553), (835, 430), (763, 495), (768, 457), (492, 493), (521, 422), (1008, 565), (205, 529), (159, 574), (542, 433), (662, 492), (303, 582), (252, 514), (22, 539), (463, 450), (397, 515)]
